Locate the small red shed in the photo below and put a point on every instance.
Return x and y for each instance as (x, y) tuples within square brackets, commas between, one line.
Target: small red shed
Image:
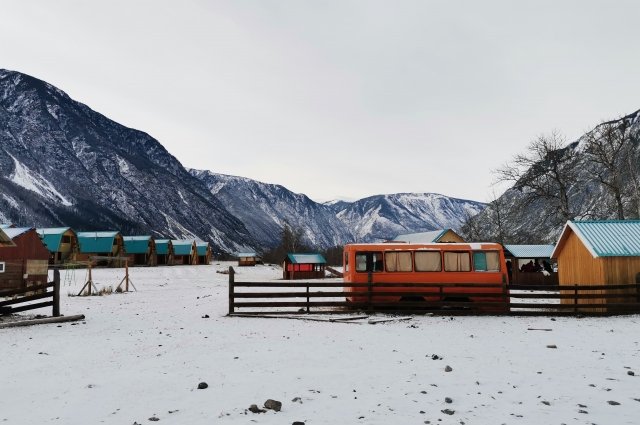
[(25, 263)]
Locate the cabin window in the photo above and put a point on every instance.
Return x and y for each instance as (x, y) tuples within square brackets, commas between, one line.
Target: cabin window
[(66, 239), (457, 261), (1, 266), (428, 261), (486, 261), (397, 261), (346, 262), (369, 262)]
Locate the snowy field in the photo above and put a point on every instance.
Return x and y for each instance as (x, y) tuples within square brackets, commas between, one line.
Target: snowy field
[(139, 357)]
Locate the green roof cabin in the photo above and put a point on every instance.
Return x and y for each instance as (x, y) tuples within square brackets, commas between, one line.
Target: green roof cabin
[(203, 249), (62, 243), (106, 245), (303, 266), (24, 260), (164, 252), (603, 252), (184, 252), (530, 265), (141, 250)]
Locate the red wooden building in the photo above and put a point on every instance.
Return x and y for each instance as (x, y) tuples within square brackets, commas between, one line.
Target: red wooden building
[(303, 266), (25, 263)]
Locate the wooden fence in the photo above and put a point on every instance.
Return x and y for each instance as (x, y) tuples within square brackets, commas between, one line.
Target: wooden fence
[(319, 297), (22, 299)]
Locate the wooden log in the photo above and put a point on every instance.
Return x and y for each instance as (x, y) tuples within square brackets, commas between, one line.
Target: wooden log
[(59, 319)]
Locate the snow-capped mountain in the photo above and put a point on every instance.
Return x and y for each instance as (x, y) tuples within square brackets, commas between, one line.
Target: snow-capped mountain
[(265, 208), (61, 163), (383, 217)]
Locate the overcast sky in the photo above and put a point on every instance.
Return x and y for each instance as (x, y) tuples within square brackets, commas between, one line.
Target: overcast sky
[(338, 99)]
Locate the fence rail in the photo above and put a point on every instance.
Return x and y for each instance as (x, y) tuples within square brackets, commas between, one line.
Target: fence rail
[(21, 299), (318, 297)]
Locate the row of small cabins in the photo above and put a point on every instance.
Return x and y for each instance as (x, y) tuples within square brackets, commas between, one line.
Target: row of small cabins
[(65, 246)]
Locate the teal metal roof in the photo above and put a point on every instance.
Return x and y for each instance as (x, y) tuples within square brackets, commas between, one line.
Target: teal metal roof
[(202, 247), (96, 242), (182, 247), (530, 251), (136, 244), (607, 238), (306, 259), (162, 246), (52, 237)]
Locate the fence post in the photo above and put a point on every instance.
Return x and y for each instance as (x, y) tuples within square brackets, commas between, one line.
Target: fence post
[(505, 296), (231, 289), (56, 293), (307, 297), (637, 289), (369, 291), (575, 298)]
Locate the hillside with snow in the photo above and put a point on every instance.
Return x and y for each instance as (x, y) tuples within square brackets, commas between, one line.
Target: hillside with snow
[(383, 217), (265, 208), (62, 163)]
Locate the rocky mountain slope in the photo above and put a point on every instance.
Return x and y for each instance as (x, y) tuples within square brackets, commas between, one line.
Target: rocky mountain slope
[(63, 163), (524, 220), (265, 208)]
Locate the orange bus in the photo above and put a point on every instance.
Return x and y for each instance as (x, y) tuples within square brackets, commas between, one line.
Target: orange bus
[(447, 263)]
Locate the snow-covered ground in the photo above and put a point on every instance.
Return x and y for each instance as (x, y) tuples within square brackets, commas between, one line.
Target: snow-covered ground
[(141, 355)]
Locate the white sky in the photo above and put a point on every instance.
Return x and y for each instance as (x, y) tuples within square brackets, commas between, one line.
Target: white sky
[(338, 98)]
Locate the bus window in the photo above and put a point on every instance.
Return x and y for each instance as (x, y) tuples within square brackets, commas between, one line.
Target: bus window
[(486, 261), (428, 261), (368, 261), (397, 261), (457, 261)]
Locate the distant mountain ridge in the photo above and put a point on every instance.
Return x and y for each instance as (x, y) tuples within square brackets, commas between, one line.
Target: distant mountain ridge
[(265, 208)]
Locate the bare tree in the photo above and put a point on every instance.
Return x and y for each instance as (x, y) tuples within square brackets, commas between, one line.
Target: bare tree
[(546, 171), (605, 147), (632, 169), (498, 211), (471, 229)]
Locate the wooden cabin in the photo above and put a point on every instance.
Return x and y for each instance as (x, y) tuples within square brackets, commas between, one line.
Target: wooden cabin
[(599, 253), (184, 252), (436, 236), (141, 250), (303, 266), (204, 253), (248, 259), (101, 244), (164, 252), (530, 265), (62, 243), (24, 259)]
